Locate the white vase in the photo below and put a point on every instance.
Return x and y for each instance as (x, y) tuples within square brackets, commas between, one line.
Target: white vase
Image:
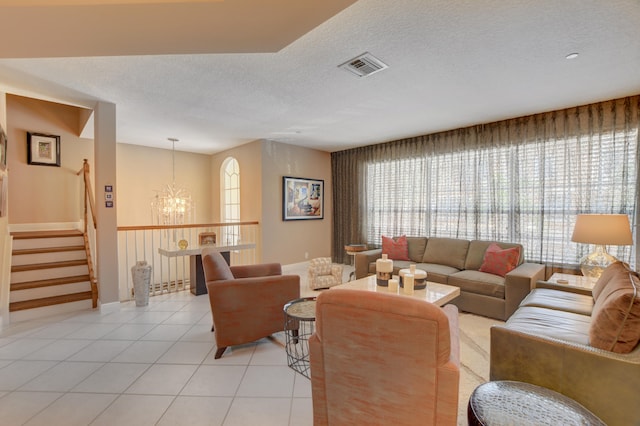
[(141, 275), (384, 269)]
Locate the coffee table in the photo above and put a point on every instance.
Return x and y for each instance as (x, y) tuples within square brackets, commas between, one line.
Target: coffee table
[(438, 294), (516, 403)]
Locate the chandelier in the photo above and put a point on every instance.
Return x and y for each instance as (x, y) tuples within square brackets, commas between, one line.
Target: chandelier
[(173, 205)]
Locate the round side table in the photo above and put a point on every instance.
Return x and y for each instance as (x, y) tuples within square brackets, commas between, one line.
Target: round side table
[(352, 250), (299, 325), (515, 403)]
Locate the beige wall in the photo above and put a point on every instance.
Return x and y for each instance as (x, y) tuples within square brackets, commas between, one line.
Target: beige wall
[(142, 171), (44, 194), (262, 165), (294, 241)]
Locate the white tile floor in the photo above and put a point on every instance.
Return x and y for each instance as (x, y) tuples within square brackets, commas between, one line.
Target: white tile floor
[(145, 365)]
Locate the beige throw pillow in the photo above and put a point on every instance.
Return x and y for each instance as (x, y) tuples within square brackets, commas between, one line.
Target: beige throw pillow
[(615, 319)]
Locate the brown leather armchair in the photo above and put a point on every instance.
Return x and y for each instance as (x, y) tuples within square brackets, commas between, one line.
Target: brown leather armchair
[(246, 301), (383, 359)]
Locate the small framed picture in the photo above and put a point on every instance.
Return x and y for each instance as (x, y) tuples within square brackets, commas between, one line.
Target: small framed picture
[(207, 238), (43, 150), (108, 188)]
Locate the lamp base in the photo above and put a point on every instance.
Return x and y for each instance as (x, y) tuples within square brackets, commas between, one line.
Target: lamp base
[(594, 263)]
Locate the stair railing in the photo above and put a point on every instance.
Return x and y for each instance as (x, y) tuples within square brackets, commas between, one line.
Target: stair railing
[(89, 206)]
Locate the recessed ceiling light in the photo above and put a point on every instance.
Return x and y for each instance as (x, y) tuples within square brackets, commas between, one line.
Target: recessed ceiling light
[(572, 55)]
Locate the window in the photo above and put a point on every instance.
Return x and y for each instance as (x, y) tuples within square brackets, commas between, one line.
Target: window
[(527, 193), (230, 202)]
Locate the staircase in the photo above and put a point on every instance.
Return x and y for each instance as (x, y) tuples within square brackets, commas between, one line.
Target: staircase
[(50, 274)]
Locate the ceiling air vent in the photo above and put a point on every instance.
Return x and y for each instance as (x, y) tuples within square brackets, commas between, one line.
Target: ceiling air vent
[(364, 65)]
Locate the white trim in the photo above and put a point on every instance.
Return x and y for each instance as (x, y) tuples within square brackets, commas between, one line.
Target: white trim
[(5, 281), (26, 227), (108, 308)]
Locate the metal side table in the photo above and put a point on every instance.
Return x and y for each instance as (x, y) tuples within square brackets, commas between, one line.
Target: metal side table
[(299, 325)]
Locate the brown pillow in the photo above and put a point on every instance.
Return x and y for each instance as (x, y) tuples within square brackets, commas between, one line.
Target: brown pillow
[(615, 319), (609, 272), (215, 267)]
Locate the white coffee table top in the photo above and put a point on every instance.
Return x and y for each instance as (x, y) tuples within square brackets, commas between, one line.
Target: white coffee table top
[(438, 294)]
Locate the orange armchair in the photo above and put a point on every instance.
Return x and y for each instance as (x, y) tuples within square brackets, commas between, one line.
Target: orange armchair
[(386, 359), (246, 301)]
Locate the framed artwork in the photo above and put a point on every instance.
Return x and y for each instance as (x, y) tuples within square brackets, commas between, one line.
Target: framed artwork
[(3, 150), (43, 150), (302, 198), (207, 238)]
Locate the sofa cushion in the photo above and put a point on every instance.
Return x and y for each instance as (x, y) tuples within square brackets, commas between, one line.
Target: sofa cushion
[(551, 323), (478, 282), (446, 251), (477, 249), (500, 261), (437, 273), (416, 248), (615, 324), (395, 248), (560, 300)]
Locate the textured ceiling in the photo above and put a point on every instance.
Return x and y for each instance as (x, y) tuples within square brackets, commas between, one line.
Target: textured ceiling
[(451, 64)]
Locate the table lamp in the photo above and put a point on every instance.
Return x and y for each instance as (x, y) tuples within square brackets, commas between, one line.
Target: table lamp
[(601, 230)]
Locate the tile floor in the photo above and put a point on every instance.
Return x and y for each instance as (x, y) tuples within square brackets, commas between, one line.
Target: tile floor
[(145, 366), (155, 365)]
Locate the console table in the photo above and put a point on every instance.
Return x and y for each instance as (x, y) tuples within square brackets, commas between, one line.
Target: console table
[(195, 262)]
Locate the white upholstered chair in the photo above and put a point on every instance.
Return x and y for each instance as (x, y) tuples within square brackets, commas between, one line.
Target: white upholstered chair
[(323, 273)]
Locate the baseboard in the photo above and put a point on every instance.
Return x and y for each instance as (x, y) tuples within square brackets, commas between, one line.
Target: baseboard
[(108, 308)]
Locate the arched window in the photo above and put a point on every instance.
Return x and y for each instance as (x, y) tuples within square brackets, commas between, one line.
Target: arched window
[(230, 200)]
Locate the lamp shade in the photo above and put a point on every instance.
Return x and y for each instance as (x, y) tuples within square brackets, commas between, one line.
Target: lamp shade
[(602, 229)]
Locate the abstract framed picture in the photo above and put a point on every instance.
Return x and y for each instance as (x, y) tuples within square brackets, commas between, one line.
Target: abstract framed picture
[(303, 198), (43, 150)]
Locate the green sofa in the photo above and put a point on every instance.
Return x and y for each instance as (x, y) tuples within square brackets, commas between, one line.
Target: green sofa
[(457, 262)]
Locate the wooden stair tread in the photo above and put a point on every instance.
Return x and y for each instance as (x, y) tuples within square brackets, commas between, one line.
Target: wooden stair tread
[(22, 235), (50, 282), (38, 266), (50, 301), (46, 250)]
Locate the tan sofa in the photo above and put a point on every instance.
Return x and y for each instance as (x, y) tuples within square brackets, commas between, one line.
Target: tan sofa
[(457, 262), (580, 345)]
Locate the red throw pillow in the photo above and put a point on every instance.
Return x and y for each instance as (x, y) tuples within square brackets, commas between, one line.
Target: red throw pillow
[(395, 248), (499, 261)]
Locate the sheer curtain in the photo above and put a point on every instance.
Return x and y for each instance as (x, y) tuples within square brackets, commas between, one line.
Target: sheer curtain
[(521, 180)]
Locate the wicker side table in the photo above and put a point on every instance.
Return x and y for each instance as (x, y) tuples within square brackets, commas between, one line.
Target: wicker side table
[(352, 250), (299, 325), (515, 403)]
